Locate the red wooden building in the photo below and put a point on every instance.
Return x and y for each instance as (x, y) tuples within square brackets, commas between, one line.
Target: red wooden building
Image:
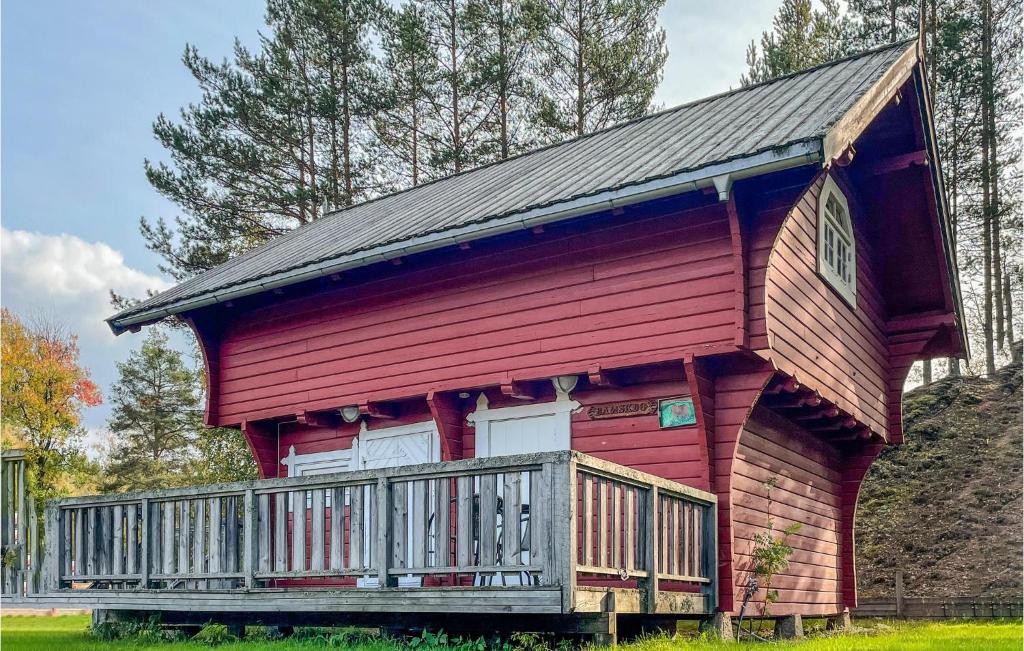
[(727, 294)]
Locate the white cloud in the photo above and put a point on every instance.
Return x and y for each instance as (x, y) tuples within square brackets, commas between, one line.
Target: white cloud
[(69, 277)]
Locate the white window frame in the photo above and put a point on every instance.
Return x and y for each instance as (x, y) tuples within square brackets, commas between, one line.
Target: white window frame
[(482, 418), (847, 290)]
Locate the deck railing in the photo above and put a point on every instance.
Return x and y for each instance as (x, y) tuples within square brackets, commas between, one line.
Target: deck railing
[(20, 557), (559, 520)]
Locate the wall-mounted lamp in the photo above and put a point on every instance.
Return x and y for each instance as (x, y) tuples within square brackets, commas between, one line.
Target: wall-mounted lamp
[(350, 414), (565, 383)]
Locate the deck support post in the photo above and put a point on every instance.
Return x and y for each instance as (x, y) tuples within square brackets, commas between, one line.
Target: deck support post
[(790, 627), (650, 551), (564, 531), (840, 622), (250, 527), (609, 621), (144, 544), (383, 543), (52, 554), (720, 626)]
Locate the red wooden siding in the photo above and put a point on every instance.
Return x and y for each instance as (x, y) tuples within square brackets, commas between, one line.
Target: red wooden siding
[(808, 492), (638, 441), (735, 396), (569, 297), (814, 335)]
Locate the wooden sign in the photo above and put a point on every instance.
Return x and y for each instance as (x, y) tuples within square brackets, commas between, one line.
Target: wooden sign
[(676, 412), (623, 409)]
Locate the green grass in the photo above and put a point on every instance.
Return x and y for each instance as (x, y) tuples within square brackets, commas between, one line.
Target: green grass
[(70, 633)]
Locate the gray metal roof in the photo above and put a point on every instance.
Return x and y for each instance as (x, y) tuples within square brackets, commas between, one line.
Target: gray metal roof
[(742, 132)]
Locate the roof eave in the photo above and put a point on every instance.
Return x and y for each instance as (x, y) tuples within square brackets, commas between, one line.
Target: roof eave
[(719, 175)]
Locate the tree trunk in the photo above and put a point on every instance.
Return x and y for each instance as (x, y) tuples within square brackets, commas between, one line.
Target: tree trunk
[(986, 183), (926, 371), (503, 80), (454, 51), (580, 76)]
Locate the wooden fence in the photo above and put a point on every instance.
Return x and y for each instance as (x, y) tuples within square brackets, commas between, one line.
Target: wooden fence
[(555, 522), (901, 606), (20, 559)]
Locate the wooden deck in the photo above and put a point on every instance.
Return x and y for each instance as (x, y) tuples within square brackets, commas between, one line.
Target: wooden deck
[(541, 534)]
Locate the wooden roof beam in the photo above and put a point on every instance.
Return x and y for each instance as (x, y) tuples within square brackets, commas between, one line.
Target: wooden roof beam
[(384, 410), (317, 418), (599, 377), (520, 390)]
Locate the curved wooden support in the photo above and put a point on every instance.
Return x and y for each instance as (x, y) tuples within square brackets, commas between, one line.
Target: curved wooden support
[(446, 410), (262, 440)]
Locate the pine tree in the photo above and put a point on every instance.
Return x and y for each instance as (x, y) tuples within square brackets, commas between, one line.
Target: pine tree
[(407, 72), (801, 37), (279, 134), (507, 33), (458, 108), (600, 63), (156, 418)]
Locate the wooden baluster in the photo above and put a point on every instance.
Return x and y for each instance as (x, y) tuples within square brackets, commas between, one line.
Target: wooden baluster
[(264, 533), (81, 567), (92, 562), (338, 525), (420, 518), (588, 519), (488, 518), (231, 546), (281, 531), (629, 535), (184, 529), (464, 522), (399, 524), (316, 543), (442, 521), (250, 536), (22, 520), (167, 544), (215, 546), (540, 521), (131, 565), (117, 566), (145, 550), (298, 531), (513, 508), (616, 489), (66, 516), (602, 522), (154, 535), (199, 539), (356, 529)]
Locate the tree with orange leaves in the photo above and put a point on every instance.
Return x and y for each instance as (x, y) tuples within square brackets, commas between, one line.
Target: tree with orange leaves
[(43, 390)]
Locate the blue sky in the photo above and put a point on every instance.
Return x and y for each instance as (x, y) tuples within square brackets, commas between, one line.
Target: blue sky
[(81, 84)]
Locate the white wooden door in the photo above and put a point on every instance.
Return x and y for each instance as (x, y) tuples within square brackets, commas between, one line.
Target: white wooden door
[(403, 445), (538, 427)]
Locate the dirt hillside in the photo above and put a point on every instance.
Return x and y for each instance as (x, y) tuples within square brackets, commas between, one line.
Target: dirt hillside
[(945, 507)]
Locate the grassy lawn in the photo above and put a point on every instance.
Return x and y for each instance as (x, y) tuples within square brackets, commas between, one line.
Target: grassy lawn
[(69, 633)]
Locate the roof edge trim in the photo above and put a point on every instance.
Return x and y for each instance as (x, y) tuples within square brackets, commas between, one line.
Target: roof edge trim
[(794, 155)]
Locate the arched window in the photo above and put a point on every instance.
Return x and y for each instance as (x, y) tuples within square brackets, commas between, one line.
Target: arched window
[(837, 249)]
